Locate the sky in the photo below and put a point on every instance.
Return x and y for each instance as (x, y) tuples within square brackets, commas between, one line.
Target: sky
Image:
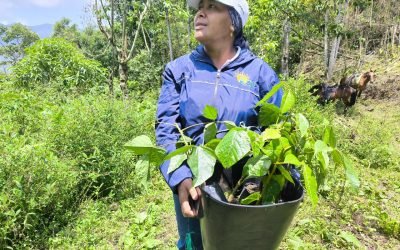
[(35, 12)]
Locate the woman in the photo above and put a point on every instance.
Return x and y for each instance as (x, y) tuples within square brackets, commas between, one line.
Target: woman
[(221, 72)]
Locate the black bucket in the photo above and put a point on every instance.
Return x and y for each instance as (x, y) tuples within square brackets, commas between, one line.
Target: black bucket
[(232, 226)]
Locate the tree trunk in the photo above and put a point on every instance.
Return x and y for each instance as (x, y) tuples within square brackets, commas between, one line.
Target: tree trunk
[(394, 31), (189, 27), (326, 43), (333, 57), (372, 12), (111, 81), (336, 42), (285, 53), (123, 78), (171, 54), (360, 41)]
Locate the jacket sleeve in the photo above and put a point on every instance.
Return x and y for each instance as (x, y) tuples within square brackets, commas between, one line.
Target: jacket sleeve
[(268, 79), (166, 133)]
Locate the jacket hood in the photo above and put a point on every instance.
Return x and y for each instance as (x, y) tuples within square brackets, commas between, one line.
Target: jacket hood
[(244, 57)]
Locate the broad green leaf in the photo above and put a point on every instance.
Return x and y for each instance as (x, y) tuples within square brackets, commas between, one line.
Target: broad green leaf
[(270, 134), (176, 161), (288, 102), (179, 151), (256, 142), (268, 151), (285, 173), (256, 166), (156, 156), (303, 124), (350, 238), (213, 144), (140, 145), (142, 171), (210, 131), (229, 125), (329, 137), (269, 114), (276, 149), (269, 94), (280, 179), (210, 112), (271, 191), (201, 161), (254, 197), (337, 157), (292, 159), (323, 158), (351, 174), (233, 147), (311, 184), (321, 146)]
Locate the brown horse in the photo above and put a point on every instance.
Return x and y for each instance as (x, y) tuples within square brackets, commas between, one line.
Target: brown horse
[(358, 81), (328, 93)]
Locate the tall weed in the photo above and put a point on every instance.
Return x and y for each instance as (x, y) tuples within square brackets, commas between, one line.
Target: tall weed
[(58, 151)]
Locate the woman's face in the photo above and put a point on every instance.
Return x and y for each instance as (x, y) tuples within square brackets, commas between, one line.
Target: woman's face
[(212, 22)]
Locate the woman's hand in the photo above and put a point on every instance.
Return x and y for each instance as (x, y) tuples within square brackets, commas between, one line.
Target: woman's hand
[(185, 192)]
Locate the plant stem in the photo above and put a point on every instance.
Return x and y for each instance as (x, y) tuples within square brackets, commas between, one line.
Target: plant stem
[(232, 195)]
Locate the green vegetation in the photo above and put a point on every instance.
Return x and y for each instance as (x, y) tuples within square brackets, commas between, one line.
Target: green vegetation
[(286, 140), (54, 61), (66, 181)]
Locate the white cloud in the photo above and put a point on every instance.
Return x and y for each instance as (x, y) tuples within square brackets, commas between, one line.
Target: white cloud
[(46, 3)]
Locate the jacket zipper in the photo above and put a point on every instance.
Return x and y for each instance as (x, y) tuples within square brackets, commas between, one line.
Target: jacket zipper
[(216, 85)]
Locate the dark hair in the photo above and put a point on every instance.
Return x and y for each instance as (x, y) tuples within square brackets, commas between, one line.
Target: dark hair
[(239, 40)]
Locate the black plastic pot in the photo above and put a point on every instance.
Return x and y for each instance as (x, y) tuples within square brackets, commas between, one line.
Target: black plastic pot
[(231, 226)]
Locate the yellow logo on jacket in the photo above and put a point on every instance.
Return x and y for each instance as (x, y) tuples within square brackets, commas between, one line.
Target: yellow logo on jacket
[(244, 79)]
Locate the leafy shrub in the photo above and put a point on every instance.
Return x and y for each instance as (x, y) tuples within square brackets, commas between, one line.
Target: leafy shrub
[(371, 146), (3, 77), (145, 73), (55, 155), (38, 193), (306, 104), (91, 130), (57, 63)]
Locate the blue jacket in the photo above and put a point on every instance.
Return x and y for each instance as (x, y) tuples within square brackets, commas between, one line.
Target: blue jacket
[(192, 81)]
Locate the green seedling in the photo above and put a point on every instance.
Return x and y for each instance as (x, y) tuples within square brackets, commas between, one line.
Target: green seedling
[(286, 139)]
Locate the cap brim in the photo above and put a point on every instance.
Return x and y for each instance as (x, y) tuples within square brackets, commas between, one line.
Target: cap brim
[(193, 3)]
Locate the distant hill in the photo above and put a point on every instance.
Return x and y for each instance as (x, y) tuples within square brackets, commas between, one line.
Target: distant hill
[(43, 30)]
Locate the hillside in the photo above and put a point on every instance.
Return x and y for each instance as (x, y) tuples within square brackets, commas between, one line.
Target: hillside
[(43, 30)]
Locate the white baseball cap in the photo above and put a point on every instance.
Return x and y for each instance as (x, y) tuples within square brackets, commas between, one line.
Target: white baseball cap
[(241, 6)]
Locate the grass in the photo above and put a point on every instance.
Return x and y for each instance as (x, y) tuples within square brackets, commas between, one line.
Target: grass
[(144, 221)]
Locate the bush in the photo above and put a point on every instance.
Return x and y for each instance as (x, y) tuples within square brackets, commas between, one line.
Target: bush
[(57, 63), (145, 74), (91, 131), (38, 193), (55, 155)]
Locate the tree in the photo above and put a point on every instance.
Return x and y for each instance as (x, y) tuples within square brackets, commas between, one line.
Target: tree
[(65, 29), (13, 41), (57, 63), (120, 21)]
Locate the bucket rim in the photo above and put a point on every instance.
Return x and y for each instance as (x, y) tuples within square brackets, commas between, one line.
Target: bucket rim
[(293, 202)]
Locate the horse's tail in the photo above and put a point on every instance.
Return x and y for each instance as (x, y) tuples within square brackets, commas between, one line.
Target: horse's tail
[(353, 97)]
